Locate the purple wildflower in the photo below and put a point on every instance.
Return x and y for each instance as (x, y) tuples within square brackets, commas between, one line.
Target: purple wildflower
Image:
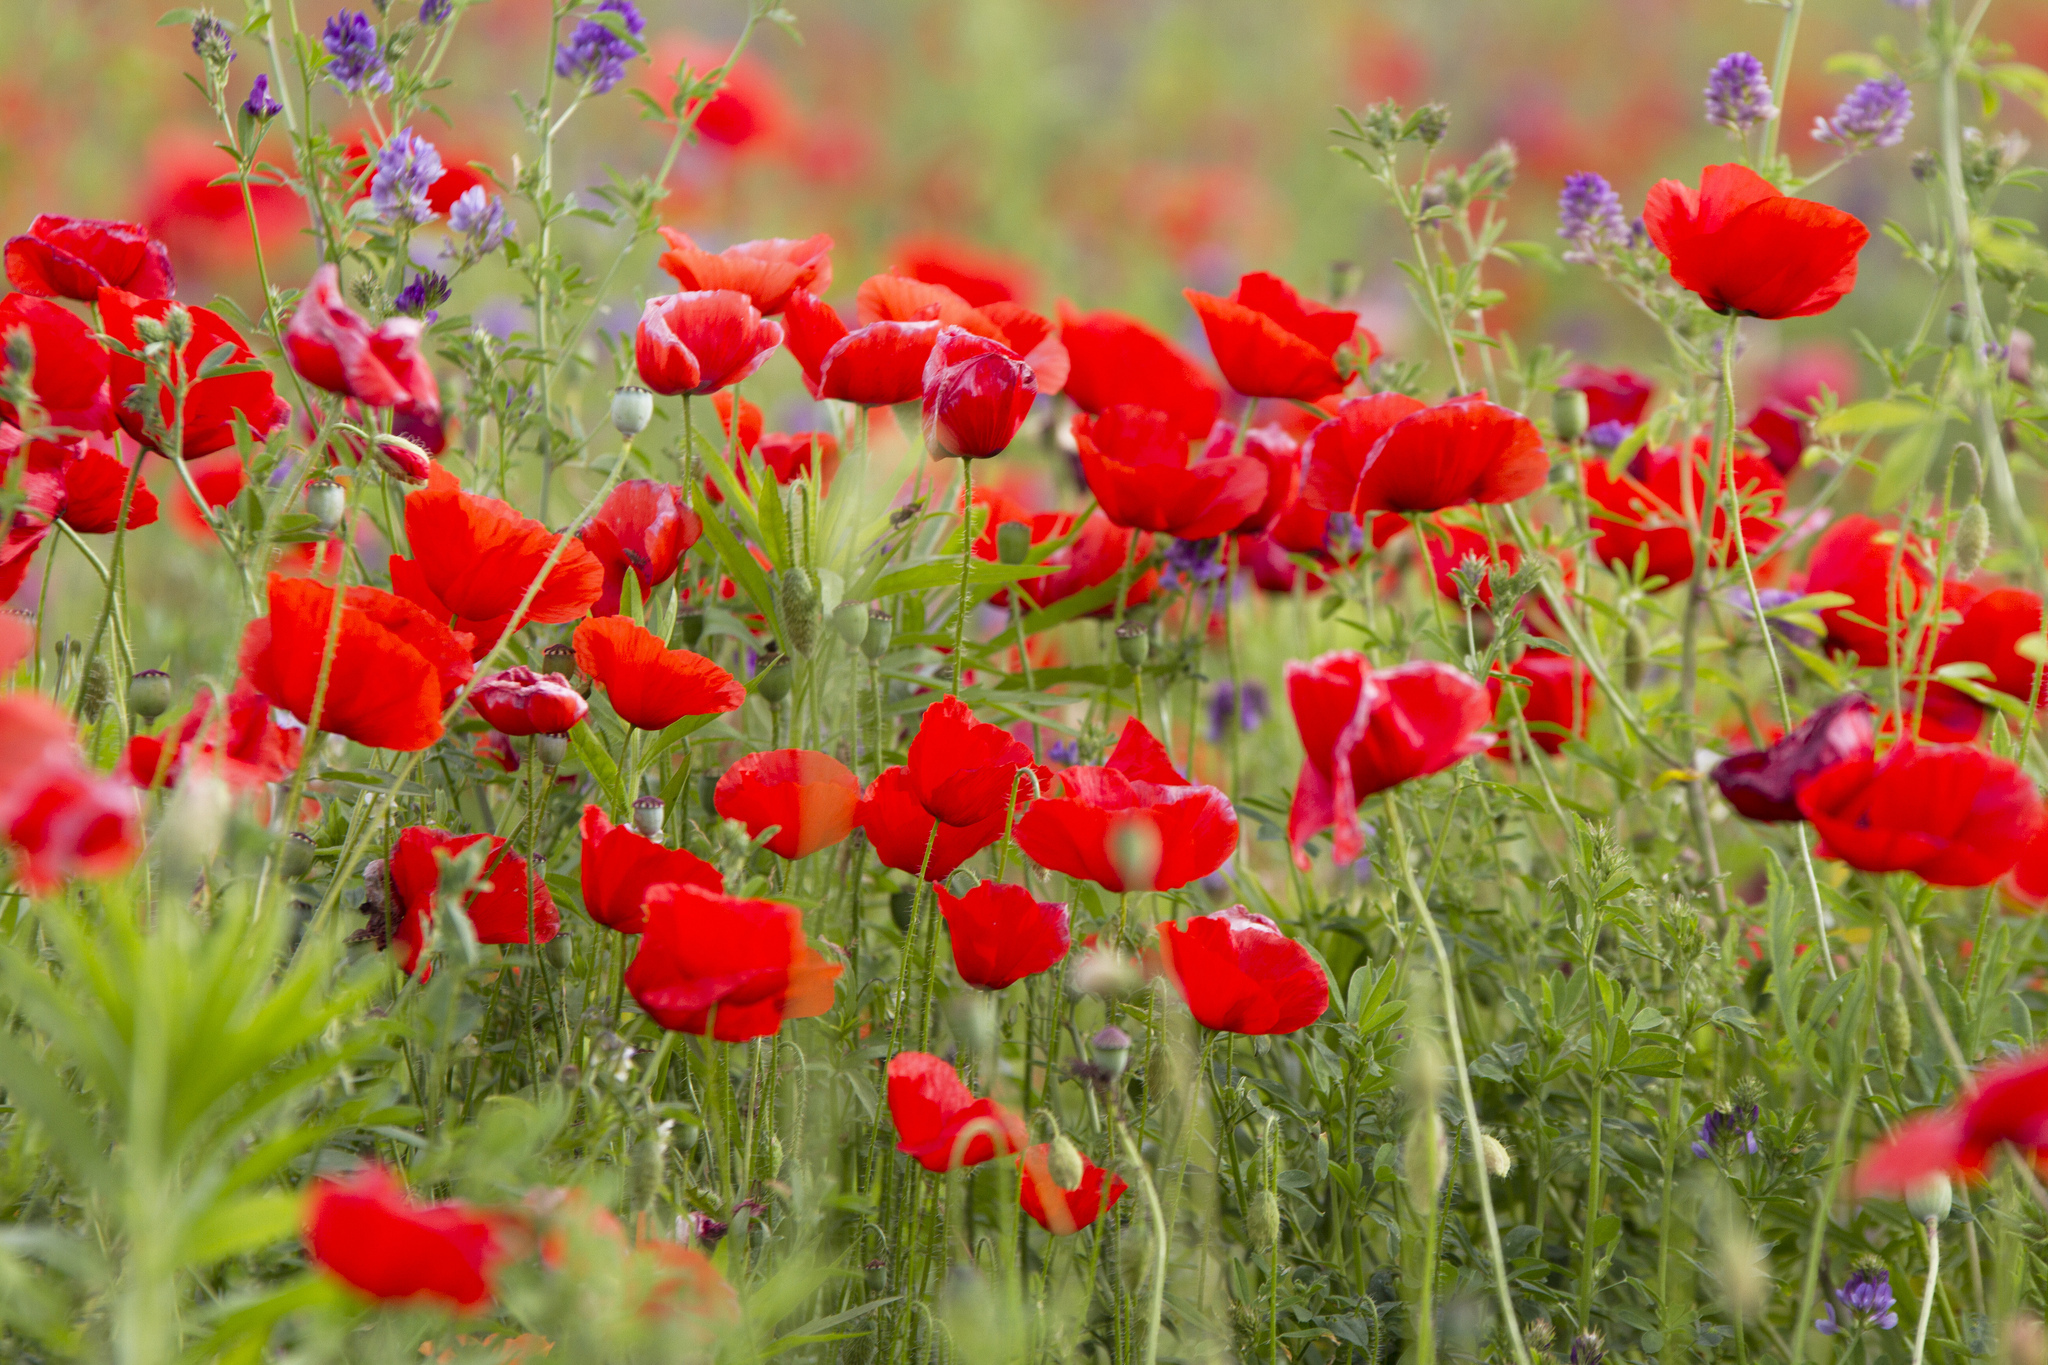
[(210, 40), (1867, 1297), (435, 12), (1193, 561), (1066, 751), (1608, 436), (1734, 1125), (1874, 114), (597, 52), (407, 167), (423, 293), (1342, 535), (702, 1229), (1252, 708), (354, 58), (1739, 94), (1588, 1348), (1773, 598), (1590, 218), (479, 217), (260, 105)]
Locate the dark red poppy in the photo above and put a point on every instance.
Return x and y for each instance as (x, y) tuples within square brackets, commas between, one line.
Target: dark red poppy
[(520, 702), (1133, 824), (976, 394), (876, 365), (61, 818), (1065, 1212), (809, 796), (1272, 343), (1093, 556), (395, 668), (1416, 459), (1745, 248), (479, 555), (1002, 933), (650, 685), (646, 526), (69, 371), (1272, 447), (619, 864), (1617, 395), (2025, 888), (1240, 974), (332, 348), (1989, 634), (1117, 361), (978, 276), (1366, 730), (74, 258), (1951, 814), (702, 341), (899, 828), (241, 743), (364, 1231), (1944, 716), (1136, 464), (1764, 784), (502, 905), (1271, 565), (964, 770), (938, 1121), (1557, 702), (1783, 432), (1649, 515), (766, 271), (79, 483), (733, 968), (1883, 578), (212, 406), (2006, 1104)]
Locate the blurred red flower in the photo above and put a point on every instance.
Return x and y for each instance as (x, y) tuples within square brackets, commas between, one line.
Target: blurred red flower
[(702, 341), (2005, 1103), (1389, 453), (1951, 814), (1616, 395), (809, 795), (241, 743), (646, 526), (204, 225), (364, 1231), (69, 372), (900, 829), (78, 482), (876, 365), (520, 702), (332, 348), (733, 968), (965, 771), (766, 271), (1240, 974), (1745, 248), (1883, 578), (978, 276), (61, 818), (976, 394), (1764, 784), (1136, 463), (74, 258), (478, 555), (1272, 343), (1065, 1212), (1272, 447), (748, 108), (619, 865), (503, 905), (1650, 512), (938, 1121), (211, 405), (1116, 360), (650, 685), (1002, 933), (1989, 634), (1556, 704)]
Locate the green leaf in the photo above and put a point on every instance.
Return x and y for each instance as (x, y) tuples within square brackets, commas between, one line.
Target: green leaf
[(1877, 414), (240, 1226), (742, 566), (1905, 464), (583, 742)]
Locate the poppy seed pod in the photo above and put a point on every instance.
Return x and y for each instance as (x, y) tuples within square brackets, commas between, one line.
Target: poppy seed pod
[(632, 410), (689, 626), (1929, 1200), (773, 679), (1133, 644), (1111, 1048), (295, 855), (149, 694), (326, 500), (1013, 542), (647, 816), (551, 750), (562, 659), (881, 630), (1570, 414), (850, 623)]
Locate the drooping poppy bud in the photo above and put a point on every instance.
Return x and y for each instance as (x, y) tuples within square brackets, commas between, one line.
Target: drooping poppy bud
[(976, 394)]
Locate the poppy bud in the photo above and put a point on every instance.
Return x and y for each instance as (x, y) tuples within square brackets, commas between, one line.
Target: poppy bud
[(689, 626), (901, 904), (326, 500), (850, 623), (551, 750), (1929, 1200), (1972, 539), (1063, 1162), (1133, 644), (647, 816), (95, 690), (632, 410), (798, 603), (561, 659), (1111, 1047), (1499, 1161), (976, 394), (1013, 542), (1898, 1019), (773, 679), (707, 792), (149, 694), (650, 1155), (1570, 414), (1134, 851), (1263, 1220), (881, 629), (177, 325), (1424, 1160), (295, 856), (401, 459)]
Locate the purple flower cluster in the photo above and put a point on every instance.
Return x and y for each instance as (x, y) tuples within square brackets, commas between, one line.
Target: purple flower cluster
[(1875, 114), (1252, 708), (1733, 1126), (597, 52), (355, 59), (1867, 1297), (1342, 535), (1193, 561), (211, 40), (407, 167), (1607, 436), (433, 13), (1739, 94), (480, 217), (422, 294), (1590, 218), (260, 105), (1773, 598)]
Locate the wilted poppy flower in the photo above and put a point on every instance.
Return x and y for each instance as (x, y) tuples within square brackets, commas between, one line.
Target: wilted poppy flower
[(1365, 731), (650, 685), (212, 406), (1133, 824), (965, 770), (980, 277), (1272, 343), (1989, 634), (363, 1230), (1065, 1212), (766, 271), (61, 818), (520, 702), (1002, 933), (1617, 395), (619, 864), (394, 669), (976, 394), (1951, 814), (646, 526), (241, 743), (502, 905), (1136, 464), (1556, 704), (1865, 560), (726, 966), (69, 372), (1240, 974), (1745, 248), (74, 258), (1393, 455), (876, 365), (1115, 361), (478, 556), (1272, 447), (2008, 1103), (1764, 784), (1648, 513), (809, 796), (899, 828), (702, 341), (938, 1121), (332, 348), (80, 483)]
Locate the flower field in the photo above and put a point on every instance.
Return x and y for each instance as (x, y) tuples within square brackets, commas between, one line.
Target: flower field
[(993, 683)]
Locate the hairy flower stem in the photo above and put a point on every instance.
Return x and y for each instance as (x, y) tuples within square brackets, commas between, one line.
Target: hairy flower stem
[(1781, 75), (966, 562), (1933, 1227)]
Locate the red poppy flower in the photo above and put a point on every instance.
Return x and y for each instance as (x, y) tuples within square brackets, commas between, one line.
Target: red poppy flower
[(899, 828), (79, 483), (1556, 704), (1094, 556), (364, 1231), (332, 348), (1366, 730), (702, 341), (1863, 559), (750, 421), (501, 906), (1133, 824), (74, 258), (810, 796), (646, 526), (791, 455), (1951, 814), (1136, 464), (1644, 513), (876, 365), (69, 374), (1117, 361), (1745, 248), (1449, 545), (2008, 1103), (724, 965), (766, 271), (1611, 395), (1240, 974), (980, 277), (409, 580), (211, 405), (965, 770), (938, 1121), (1272, 447), (1002, 933), (1065, 1212), (619, 864), (1033, 339), (61, 818), (1988, 634), (241, 742), (976, 394), (650, 685), (1783, 432), (1409, 458), (478, 555), (1764, 784), (520, 702), (748, 108), (1272, 343)]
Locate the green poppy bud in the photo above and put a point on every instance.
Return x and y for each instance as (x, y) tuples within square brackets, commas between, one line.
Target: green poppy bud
[(149, 694), (1569, 414), (1972, 539), (632, 410), (850, 623), (1013, 542), (326, 500)]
